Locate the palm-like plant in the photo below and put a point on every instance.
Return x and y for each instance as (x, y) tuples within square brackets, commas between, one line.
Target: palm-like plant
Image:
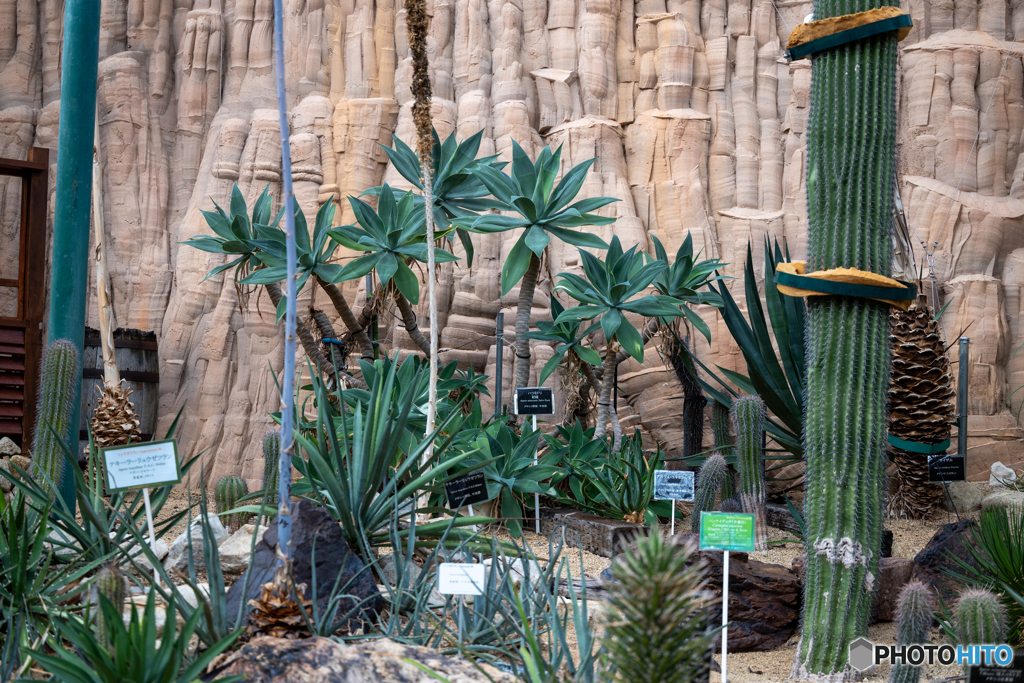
[(457, 190), (238, 235), (392, 237), (609, 292), (544, 212)]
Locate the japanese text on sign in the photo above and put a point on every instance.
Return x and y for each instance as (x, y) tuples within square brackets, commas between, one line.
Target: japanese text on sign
[(142, 465), (733, 531)]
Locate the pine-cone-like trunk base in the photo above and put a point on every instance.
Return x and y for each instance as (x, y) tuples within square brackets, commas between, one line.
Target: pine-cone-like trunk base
[(115, 421), (276, 613)]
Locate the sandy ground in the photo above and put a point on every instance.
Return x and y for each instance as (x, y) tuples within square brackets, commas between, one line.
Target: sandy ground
[(909, 537)]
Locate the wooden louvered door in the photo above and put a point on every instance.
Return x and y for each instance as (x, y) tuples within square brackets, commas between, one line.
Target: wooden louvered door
[(23, 298)]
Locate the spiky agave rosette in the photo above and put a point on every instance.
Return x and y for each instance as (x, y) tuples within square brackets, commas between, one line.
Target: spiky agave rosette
[(115, 422), (920, 407)]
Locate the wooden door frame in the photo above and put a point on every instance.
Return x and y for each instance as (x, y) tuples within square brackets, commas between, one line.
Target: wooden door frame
[(31, 282)]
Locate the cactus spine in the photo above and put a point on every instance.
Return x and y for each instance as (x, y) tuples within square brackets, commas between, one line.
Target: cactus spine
[(59, 375), (914, 615), (721, 427), (851, 168), (110, 584), (748, 415), (271, 462), (229, 490), (657, 630), (709, 482), (980, 618)]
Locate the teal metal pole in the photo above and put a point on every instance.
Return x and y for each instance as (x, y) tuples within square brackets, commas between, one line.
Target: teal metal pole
[(69, 272)]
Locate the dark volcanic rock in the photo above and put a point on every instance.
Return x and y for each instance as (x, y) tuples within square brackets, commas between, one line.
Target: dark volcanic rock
[(322, 660), (934, 561), (764, 601), (333, 557)]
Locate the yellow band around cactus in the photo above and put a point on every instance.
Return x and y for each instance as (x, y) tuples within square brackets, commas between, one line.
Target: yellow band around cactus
[(847, 276), (814, 30)]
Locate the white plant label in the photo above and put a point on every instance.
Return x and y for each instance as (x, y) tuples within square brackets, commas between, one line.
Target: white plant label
[(455, 578), (141, 465)]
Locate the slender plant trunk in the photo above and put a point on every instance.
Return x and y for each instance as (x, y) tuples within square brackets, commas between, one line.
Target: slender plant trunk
[(851, 166), (349, 318), (526, 289), (409, 320), (284, 514), (111, 375), (588, 372), (309, 345), (604, 403)]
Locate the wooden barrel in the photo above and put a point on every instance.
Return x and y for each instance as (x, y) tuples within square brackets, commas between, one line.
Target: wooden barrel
[(138, 360)]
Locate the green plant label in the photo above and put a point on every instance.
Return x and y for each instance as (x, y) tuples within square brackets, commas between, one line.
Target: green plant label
[(733, 531), (141, 465)]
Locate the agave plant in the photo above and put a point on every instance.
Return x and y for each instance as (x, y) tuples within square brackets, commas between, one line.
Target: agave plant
[(363, 466), (544, 211), (777, 377), (609, 291), (138, 654), (457, 190), (392, 237)]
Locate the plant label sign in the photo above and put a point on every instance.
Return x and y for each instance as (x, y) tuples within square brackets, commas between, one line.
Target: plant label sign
[(672, 485), (1014, 673), (947, 468), (534, 401), (455, 578), (731, 531), (141, 465), (468, 489)]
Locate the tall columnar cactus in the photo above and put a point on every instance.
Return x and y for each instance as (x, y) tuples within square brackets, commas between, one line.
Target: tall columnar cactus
[(709, 482), (721, 427), (914, 616), (111, 585), (271, 461), (851, 169), (59, 375), (227, 494), (748, 415)]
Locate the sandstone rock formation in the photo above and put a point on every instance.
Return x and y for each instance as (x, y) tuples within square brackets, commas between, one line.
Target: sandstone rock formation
[(695, 118)]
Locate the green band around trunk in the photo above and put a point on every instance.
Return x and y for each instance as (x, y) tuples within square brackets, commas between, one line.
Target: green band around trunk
[(923, 448), (906, 293), (848, 36)]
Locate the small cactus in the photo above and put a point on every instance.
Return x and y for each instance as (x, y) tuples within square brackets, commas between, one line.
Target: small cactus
[(914, 615), (709, 483), (227, 493), (271, 462), (111, 585), (748, 416), (59, 375), (980, 618)]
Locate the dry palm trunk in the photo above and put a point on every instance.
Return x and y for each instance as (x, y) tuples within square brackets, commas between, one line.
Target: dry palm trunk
[(920, 407), (605, 410), (115, 421)]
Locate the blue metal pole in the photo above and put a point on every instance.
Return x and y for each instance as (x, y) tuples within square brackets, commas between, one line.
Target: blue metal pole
[(70, 267), (284, 522)]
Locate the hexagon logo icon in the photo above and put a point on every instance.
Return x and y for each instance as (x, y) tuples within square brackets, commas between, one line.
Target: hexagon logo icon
[(861, 654)]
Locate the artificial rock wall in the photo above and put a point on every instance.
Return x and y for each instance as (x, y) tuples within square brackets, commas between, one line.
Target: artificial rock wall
[(696, 121)]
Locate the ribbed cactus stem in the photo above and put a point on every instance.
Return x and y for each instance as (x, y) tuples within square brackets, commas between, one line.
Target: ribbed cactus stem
[(110, 583), (720, 426), (709, 483), (230, 489), (59, 375), (851, 169), (271, 461), (748, 415), (914, 616), (980, 618)]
